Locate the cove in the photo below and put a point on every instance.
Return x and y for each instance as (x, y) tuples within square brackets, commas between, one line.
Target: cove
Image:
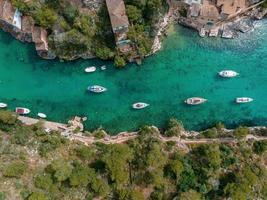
[(186, 66)]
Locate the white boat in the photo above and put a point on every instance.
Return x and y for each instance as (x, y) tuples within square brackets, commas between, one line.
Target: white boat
[(22, 111), (139, 105), (3, 105), (90, 69), (195, 101), (41, 115), (228, 74), (243, 100), (103, 67), (96, 89)]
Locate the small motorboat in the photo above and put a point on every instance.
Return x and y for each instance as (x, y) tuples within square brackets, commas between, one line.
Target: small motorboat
[(42, 115), (96, 89), (228, 74), (103, 67), (243, 100), (139, 105), (22, 111), (90, 69), (3, 105), (195, 101)]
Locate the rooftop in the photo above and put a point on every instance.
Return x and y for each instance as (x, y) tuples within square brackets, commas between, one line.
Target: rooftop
[(117, 13)]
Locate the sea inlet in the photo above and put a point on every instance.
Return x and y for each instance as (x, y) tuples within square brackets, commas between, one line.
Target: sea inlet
[(187, 66)]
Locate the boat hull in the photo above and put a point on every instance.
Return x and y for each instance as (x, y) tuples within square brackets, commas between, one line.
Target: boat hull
[(241, 100), (139, 105), (90, 69), (42, 115), (195, 101), (96, 89), (3, 105), (228, 74), (22, 111)]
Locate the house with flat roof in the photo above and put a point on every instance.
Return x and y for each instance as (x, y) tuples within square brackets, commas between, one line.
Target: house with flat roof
[(120, 24)]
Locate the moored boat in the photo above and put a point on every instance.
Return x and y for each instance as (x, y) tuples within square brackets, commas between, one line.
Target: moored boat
[(22, 111), (228, 73), (41, 115), (103, 67), (195, 101), (90, 69), (3, 105), (243, 100), (139, 105), (96, 89)]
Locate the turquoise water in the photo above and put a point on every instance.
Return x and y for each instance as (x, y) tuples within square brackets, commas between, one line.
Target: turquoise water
[(186, 67)]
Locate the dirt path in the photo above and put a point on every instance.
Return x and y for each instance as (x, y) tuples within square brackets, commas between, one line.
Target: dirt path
[(127, 136)]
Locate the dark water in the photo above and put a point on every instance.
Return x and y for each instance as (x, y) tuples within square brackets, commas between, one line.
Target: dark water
[(187, 66)]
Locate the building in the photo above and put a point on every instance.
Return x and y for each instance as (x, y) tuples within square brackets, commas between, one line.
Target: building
[(230, 7), (120, 24), (9, 15)]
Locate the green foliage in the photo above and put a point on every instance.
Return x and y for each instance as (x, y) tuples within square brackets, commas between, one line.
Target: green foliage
[(104, 52), (45, 17), (14, 169), (84, 152), (241, 132), (264, 5), (176, 167), (43, 181), (2, 196), (49, 143), (211, 133), (119, 61), (7, 118), (134, 14), (175, 128), (117, 159), (60, 169), (260, 147), (190, 194), (37, 196), (81, 176)]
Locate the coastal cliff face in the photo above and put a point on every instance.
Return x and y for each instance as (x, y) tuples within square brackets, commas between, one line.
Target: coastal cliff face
[(72, 29)]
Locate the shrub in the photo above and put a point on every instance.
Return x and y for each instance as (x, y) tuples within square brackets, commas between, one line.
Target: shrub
[(43, 181), (241, 132), (119, 61), (37, 196), (260, 147), (14, 169), (175, 128)]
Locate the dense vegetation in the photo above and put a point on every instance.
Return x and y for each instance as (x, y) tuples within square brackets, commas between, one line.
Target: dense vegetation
[(35, 165), (75, 30)]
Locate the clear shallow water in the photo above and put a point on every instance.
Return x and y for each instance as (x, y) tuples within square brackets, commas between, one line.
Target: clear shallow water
[(187, 66)]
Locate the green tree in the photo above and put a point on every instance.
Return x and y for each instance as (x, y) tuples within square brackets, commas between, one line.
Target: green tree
[(211, 133), (241, 132), (260, 147), (190, 195), (134, 14), (43, 181), (104, 52), (45, 17), (8, 118), (117, 159), (37, 196), (175, 128), (84, 152), (14, 169), (81, 175), (177, 168), (61, 170), (119, 61)]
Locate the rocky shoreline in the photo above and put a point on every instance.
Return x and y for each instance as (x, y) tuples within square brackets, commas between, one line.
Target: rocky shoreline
[(228, 28)]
